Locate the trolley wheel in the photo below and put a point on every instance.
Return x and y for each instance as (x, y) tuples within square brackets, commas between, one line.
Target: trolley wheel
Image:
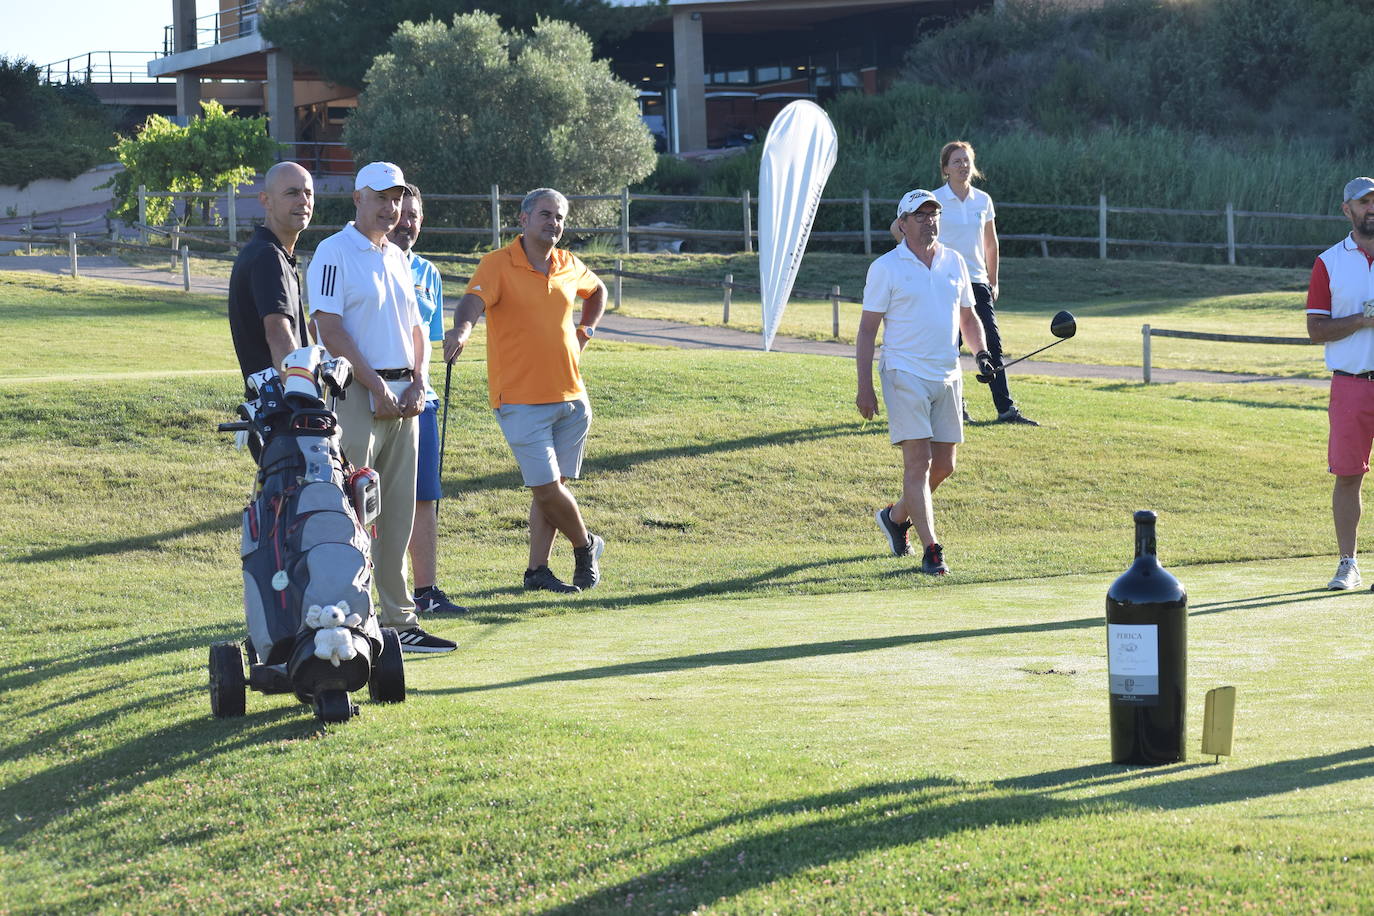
[(227, 684), (333, 706), (388, 681)]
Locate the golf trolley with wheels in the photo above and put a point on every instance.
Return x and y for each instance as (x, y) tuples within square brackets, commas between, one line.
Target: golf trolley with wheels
[(307, 572)]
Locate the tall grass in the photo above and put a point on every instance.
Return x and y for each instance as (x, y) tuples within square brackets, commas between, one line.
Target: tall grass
[(889, 144)]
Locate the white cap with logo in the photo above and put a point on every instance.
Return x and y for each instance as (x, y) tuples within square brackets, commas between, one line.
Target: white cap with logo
[(911, 202), (379, 176)]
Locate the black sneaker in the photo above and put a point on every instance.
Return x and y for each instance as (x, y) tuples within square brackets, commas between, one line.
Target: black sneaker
[(544, 579), (897, 537), (933, 561), (1014, 415), (417, 640), (585, 572), (432, 600)]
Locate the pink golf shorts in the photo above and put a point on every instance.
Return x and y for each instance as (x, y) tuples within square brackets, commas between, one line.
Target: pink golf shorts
[(1351, 413)]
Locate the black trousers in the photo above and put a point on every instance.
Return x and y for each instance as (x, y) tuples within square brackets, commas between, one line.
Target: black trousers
[(987, 316)]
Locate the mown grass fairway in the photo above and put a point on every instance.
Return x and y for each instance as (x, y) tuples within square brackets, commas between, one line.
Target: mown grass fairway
[(1111, 300), (756, 712)]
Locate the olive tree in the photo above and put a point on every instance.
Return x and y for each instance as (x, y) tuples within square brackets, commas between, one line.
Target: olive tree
[(463, 106)]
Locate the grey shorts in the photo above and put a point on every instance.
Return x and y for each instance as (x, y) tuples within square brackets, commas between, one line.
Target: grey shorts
[(922, 409), (547, 439)]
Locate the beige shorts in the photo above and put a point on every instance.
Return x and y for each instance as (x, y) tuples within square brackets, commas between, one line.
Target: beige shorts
[(921, 409)]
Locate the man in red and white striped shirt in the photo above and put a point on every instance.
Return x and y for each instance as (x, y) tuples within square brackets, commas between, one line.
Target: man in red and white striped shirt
[(1340, 314)]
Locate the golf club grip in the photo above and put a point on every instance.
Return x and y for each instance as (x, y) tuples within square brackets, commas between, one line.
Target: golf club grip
[(236, 427)]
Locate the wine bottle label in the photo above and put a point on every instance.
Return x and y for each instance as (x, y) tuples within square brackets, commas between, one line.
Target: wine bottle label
[(1133, 663)]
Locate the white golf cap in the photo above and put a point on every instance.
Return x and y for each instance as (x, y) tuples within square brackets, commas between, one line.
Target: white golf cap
[(1358, 187), (379, 176), (912, 200)]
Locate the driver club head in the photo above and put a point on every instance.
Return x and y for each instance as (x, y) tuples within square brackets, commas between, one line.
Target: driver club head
[(1063, 325)]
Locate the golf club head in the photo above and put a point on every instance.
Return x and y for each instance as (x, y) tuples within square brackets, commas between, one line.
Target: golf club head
[(1063, 325)]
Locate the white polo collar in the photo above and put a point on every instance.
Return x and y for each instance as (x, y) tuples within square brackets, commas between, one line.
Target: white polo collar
[(362, 242), (910, 255)]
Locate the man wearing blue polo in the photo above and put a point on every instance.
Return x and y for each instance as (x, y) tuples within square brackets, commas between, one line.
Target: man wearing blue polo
[(424, 537), (362, 300)]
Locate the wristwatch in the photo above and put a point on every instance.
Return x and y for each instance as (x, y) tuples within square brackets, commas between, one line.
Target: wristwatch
[(587, 329)]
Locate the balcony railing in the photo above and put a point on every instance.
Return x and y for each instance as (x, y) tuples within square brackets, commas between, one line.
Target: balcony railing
[(211, 29), (102, 67)]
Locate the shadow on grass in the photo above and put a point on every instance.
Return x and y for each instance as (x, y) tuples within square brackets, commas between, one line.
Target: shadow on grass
[(778, 654), (509, 478), (78, 786), (1244, 604), (1162, 388), (696, 590), (851, 646), (30, 672), (116, 546), (843, 826)]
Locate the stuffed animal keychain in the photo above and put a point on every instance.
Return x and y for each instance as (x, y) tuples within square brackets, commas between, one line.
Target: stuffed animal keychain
[(333, 642)]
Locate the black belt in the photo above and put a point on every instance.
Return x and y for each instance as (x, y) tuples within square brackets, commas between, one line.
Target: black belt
[(1364, 375), (392, 375)]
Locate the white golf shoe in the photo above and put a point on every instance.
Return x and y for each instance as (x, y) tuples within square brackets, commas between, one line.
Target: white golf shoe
[(1347, 575)]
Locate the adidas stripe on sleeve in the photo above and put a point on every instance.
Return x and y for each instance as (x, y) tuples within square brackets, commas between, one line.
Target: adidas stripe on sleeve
[(324, 281)]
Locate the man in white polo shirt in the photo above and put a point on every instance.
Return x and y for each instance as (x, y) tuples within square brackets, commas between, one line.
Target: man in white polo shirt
[(362, 301), (1340, 314), (919, 292)]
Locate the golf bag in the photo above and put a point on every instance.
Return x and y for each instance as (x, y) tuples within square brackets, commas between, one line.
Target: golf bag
[(307, 571)]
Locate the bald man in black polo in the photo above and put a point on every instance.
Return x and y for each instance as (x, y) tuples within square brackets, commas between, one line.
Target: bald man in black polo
[(266, 316)]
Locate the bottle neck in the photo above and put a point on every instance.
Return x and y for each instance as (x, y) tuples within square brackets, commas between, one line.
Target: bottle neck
[(1144, 539)]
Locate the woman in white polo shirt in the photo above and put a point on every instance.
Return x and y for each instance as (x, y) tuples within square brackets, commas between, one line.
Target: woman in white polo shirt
[(968, 225)]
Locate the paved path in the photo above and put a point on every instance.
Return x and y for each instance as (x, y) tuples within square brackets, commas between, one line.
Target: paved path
[(653, 331)]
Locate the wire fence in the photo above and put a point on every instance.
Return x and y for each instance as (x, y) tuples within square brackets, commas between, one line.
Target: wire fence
[(627, 235), (180, 254)]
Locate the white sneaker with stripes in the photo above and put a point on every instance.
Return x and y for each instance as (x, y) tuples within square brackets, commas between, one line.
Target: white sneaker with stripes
[(1347, 575)]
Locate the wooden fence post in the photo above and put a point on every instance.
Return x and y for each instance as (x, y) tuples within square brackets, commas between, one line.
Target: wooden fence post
[(28, 231), (619, 266), (729, 285), (1044, 246), (748, 224), (1230, 234), (232, 214), (495, 217), (624, 231), (175, 237), (71, 252), (143, 213), (835, 312), (1145, 353), (868, 224), (186, 267), (1102, 226)]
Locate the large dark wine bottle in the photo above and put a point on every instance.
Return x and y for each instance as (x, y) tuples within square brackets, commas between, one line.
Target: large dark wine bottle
[(1147, 659)]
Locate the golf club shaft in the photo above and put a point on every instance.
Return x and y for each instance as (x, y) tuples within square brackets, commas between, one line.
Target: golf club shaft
[(443, 436), (1002, 368)]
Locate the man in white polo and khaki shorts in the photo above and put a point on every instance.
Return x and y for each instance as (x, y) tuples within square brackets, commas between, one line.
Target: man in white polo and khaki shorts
[(362, 301), (919, 292)]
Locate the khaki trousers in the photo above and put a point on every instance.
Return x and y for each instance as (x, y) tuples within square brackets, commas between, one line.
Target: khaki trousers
[(390, 448)]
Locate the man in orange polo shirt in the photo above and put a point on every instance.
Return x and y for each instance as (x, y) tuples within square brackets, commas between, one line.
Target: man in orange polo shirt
[(527, 291)]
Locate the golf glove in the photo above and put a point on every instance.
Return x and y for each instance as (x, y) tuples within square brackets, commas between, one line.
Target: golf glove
[(987, 366)]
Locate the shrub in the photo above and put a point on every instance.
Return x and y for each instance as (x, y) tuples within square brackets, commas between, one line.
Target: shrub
[(48, 131)]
